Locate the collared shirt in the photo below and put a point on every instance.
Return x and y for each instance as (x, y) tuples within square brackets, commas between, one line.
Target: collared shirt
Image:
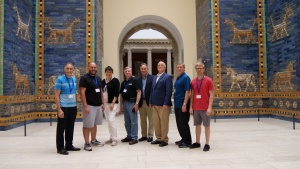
[(144, 81), (131, 85), (67, 87), (181, 86), (158, 76)]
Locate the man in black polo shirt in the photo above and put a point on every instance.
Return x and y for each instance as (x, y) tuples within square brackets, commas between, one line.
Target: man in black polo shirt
[(91, 97), (129, 104)]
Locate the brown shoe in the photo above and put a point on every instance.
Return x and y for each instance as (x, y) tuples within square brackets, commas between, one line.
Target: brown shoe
[(133, 142)]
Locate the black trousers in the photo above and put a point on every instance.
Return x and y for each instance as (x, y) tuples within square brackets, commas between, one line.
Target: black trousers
[(182, 121), (65, 125)]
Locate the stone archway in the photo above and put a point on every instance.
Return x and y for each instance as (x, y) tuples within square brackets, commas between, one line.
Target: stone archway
[(156, 23)]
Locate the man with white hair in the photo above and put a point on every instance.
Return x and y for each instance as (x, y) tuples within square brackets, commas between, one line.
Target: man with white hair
[(160, 100)]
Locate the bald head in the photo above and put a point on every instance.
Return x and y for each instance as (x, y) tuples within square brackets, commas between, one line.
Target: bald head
[(92, 68)]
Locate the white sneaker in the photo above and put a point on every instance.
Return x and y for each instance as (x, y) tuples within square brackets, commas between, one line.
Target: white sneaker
[(87, 147), (108, 141), (114, 143), (97, 143)]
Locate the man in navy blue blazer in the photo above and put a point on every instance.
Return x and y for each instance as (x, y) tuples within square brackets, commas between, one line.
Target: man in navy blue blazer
[(145, 111), (160, 101)]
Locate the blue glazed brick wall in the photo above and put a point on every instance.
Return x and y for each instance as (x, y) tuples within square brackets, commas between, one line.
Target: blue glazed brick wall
[(204, 40), (283, 49), (61, 14), (241, 57), (286, 48), (18, 51)]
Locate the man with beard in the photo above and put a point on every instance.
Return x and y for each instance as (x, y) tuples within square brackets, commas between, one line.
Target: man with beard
[(92, 101)]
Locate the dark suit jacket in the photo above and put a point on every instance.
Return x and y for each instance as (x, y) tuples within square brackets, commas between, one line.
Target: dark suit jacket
[(161, 92), (147, 89)]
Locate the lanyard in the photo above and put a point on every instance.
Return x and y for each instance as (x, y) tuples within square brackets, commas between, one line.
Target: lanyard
[(127, 83), (105, 87), (71, 88), (95, 81), (200, 84)]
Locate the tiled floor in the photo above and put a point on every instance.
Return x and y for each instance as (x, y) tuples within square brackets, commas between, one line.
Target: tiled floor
[(235, 144)]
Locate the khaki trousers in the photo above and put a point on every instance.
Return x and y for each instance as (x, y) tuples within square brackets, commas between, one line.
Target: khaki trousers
[(146, 112), (161, 122)]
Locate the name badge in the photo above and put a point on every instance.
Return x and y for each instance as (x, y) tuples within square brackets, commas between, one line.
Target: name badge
[(198, 96), (71, 96), (130, 84), (125, 90), (97, 90)]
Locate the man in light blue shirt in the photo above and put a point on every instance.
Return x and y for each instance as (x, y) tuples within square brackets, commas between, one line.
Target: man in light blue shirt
[(65, 100)]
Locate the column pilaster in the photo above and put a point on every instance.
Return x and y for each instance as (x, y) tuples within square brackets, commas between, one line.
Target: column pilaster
[(129, 59), (169, 68), (149, 60)]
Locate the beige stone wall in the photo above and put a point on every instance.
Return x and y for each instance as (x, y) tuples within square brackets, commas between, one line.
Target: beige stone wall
[(118, 13)]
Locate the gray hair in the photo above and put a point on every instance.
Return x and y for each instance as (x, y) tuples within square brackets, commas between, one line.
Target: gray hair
[(183, 65)]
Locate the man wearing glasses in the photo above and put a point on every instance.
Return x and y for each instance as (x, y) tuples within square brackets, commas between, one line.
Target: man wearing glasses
[(202, 95)]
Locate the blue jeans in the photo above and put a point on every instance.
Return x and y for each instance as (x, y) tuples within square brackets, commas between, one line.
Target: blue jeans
[(131, 120)]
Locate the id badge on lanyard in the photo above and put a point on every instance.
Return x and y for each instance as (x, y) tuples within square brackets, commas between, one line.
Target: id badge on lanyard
[(70, 96), (198, 96)]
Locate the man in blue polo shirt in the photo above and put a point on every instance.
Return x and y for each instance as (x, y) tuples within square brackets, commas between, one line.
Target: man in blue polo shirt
[(181, 104), (65, 100)]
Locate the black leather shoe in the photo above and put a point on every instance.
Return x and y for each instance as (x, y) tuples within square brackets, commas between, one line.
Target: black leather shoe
[(126, 139), (195, 145), (156, 142), (150, 139), (162, 144), (72, 148), (184, 145), (142, 138), (133, 142), (178, 142), (62, 152), (206, 147)]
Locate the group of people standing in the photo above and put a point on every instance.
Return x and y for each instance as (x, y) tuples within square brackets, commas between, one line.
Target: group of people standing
[(149, 95)]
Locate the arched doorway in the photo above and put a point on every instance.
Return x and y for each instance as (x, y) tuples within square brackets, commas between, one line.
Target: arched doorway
[(156, 23)]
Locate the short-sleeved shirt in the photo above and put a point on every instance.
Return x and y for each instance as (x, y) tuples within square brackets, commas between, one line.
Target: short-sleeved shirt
[(131, 86), (204, 86), (67, 87), (181, 86), (92, 83)]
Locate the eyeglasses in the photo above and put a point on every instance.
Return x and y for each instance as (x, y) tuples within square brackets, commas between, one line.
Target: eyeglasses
[(199, 68)]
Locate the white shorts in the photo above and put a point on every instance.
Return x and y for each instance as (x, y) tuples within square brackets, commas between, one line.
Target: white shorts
[(94, 118)]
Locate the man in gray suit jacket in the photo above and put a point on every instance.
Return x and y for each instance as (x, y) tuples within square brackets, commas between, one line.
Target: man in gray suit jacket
[(160, 100)]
